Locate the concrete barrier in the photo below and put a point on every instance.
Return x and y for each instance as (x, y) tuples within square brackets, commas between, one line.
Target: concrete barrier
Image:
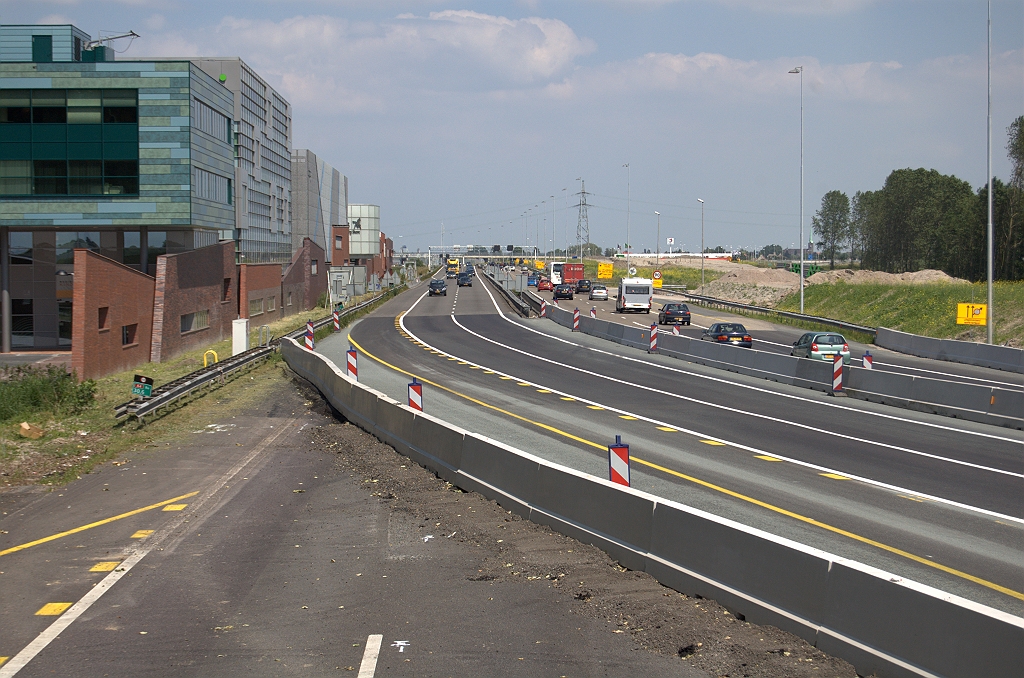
[(967, 352), (880, 623)]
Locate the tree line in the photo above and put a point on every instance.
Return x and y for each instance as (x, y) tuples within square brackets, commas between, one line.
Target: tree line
[(924, 219)]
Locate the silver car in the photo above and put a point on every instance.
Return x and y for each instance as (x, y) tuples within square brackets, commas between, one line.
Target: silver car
[(822, 346), (599, 293)]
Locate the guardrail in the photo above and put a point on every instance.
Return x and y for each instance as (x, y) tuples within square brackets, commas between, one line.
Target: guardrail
[(967, 352), (172, 391), (522, 307), (711, 301), (881, 623)]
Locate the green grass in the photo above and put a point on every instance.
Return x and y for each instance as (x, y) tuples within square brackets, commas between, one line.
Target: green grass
[(27, 391), (929, 310)]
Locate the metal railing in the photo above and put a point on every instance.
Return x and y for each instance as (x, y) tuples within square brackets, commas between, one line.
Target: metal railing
[(711, 301), (217, 373)]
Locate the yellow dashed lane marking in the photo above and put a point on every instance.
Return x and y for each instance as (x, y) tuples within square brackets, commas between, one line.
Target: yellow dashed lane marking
[(523, 383), (567, 398), (53, 609), (489, 372), (833, 476), (543, 390), (105, 566), (903, 496), (175, 507), (463, 362), (505, 378), (667, 428), (76, 530), (718, 488), (594, 407), (142, 534), (627, 417), (3, 660), (766, 457)]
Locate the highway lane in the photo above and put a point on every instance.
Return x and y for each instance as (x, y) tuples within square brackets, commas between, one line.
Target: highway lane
[(777, 338), (978, 544)]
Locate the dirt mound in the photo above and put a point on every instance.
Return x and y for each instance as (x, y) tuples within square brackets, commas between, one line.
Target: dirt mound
[(926, 276), (776, 277), (750, 285)]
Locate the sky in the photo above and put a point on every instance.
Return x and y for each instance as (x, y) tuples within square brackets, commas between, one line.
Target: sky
[(486, 116)]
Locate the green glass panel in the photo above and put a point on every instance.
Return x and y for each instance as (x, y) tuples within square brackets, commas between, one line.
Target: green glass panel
[(121, 132), (120, 97), (85, 132), (85, 185), (12, 151), (49, 97), (49, 151), (15, 133), (85, 116), (85, 151), (120, 151), (85, 97), (85, 168), (49, 133), (14, 97)]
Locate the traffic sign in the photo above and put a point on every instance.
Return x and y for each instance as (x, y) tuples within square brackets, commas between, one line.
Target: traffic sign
[(604, 271), (657, 275), (670, 241), (972, 314), (142, 386)]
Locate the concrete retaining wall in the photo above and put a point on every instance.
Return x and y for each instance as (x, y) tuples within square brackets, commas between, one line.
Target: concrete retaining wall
[(881, 623), (968, 352)]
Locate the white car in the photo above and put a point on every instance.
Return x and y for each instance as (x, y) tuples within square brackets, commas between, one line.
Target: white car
[(599, 293)]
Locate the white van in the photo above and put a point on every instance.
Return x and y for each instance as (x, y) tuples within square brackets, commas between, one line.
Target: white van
[(635, 294)]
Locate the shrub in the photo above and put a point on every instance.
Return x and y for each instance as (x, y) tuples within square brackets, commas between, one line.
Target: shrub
[(26, 390)]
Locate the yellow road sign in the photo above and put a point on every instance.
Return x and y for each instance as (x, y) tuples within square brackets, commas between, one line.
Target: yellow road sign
[(604, 271), (972, 314), (657, 283)]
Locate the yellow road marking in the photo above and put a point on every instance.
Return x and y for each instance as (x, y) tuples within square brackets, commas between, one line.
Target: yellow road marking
[(142, 534), (463, 362), (594, 407), (22, 547), (53, 609), (766, 457), (3, 660), (667, 428), (105, 566), (717, 488), (914, 499), (833, 476), (175, 507), (505, 378), (523, 383), (473, 367), (543, 390), (568, 398), (489, 372), (627, 417), (451, 359)]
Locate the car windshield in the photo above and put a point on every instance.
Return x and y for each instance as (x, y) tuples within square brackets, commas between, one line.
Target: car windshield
[(637, 289), (437, 283), (672, 307), (830, 339), (600, 288), (732, 328)]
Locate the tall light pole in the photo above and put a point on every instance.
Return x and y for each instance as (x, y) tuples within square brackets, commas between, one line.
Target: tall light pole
[(657, 243), (991, 255), (800, 70), (552, 228), (627, 218), (701, 244)]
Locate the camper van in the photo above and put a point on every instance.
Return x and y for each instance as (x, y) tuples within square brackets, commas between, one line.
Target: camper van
[(635, 295)]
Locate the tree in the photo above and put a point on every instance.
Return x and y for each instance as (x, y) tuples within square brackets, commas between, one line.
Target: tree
[(1009, 264), (831, 224)]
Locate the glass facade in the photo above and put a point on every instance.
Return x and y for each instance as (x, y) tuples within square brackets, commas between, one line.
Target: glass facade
[(74, 142)]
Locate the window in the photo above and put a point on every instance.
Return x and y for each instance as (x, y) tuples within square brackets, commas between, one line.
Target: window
[(226, 290), (21, 247), (64, 322), (68, 241), (42, 49), (206, 119), (22, 322), (210, 186), (131, 255), (271, 304), (104, 318), (289, 298), (339, 242), (190, 322), (128, 333), (255, 307), (312, 267)]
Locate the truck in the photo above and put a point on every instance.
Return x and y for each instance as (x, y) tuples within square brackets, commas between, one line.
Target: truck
[(563, 273), (635, 295), (451, 268)]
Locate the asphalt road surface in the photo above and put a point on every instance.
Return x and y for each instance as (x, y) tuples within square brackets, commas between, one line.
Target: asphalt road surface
[(929, 498)]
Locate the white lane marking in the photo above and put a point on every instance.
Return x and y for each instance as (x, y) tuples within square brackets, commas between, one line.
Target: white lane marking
[(702, 436), (369, 664), (758, 389), (29, 652)]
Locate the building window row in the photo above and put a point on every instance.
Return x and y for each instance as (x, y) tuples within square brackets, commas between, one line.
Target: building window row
[(191, 322), (210, 186), (68, 106), (207, 119), (69, 177)]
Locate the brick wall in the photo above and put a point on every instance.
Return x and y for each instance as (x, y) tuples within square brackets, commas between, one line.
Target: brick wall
[(202, 281), (127, 297), (299, 280), (259, 287), (339, 255)]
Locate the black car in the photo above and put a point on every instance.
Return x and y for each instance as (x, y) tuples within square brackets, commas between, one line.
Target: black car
[(562, 292), (674, 314), (733, 334), (583, 286), (437, 288), (465, 280)]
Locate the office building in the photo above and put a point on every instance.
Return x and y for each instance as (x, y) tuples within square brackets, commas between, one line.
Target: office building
[(319, 199)]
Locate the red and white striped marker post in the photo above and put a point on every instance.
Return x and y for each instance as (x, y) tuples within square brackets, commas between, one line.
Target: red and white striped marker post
[(675, 330), (353, 368), (576, 320), (618, 462), (869, 361), (309, 334), (837, 374), (654, 338), (416, 395), (593, 311), (543, 309), (337, 320)]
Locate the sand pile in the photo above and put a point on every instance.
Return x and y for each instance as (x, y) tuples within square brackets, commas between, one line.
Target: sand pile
[(923, 277), (751, 285)]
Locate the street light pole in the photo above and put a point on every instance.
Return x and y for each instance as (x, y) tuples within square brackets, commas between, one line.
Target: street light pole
[(989, 316), (627, 218), (800, 70), (657, 243), (701, 244)]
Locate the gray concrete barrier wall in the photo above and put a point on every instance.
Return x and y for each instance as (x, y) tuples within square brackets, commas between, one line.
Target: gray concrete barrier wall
[(877, 621), (968, 352)]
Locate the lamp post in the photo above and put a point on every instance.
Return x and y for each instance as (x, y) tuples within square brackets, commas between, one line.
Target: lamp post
[(701, 244), (990, 322), (657, 243), (627, 218), (800, 70)]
